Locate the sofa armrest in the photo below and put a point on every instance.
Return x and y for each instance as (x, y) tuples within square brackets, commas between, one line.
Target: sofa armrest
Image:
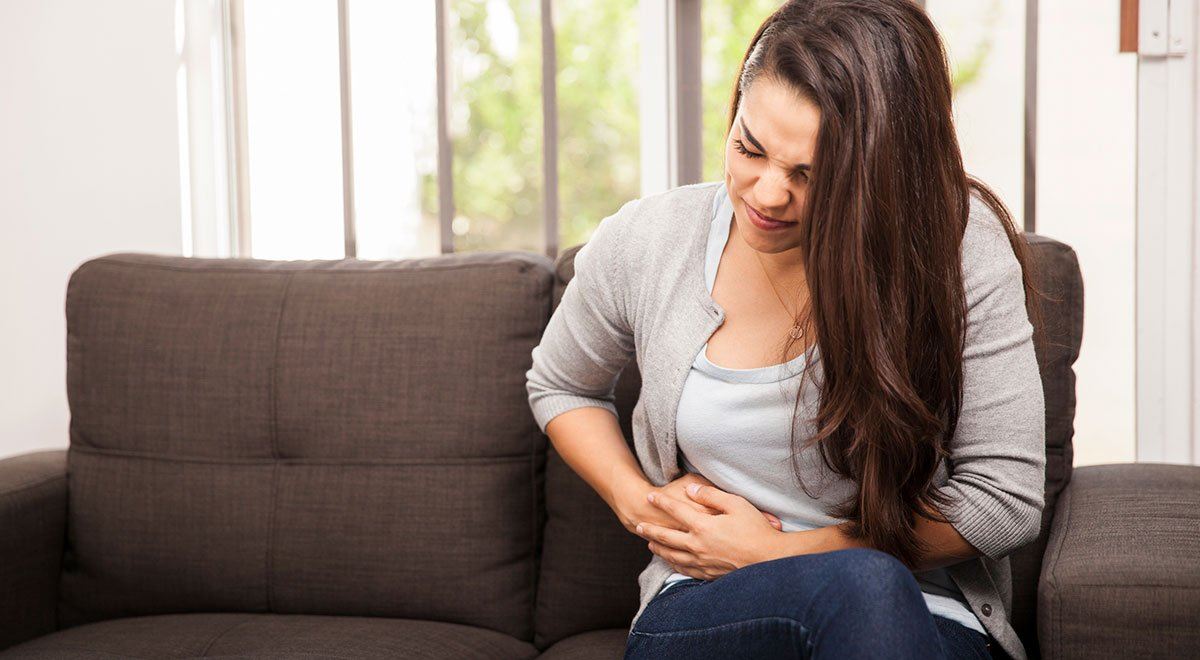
[(1121, 572), (33, 516)]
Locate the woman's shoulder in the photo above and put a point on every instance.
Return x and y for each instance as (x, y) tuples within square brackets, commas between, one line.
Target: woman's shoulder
[(641, 226), (989, 261), (688, 204), (985, 240), (982, 222)]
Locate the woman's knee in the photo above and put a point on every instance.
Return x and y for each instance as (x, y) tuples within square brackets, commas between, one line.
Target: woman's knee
[(873, 575), (819, 589), (850, 575)]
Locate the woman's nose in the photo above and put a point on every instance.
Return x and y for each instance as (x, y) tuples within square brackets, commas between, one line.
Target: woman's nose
[(773, 200)]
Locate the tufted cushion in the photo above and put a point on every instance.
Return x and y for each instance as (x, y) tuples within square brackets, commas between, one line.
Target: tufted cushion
[(317, 437)]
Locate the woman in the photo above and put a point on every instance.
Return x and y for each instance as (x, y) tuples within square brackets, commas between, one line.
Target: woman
[(848, 276)]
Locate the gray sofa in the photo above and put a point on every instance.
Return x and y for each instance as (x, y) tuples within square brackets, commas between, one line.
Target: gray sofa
[(337, 459)]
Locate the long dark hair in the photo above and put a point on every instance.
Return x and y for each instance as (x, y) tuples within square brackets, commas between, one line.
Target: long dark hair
[(886, 209)]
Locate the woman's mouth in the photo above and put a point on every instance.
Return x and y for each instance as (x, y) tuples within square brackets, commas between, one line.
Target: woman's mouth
[(763, 222)]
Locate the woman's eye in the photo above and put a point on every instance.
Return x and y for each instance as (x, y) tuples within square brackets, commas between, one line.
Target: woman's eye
[(741, 148)]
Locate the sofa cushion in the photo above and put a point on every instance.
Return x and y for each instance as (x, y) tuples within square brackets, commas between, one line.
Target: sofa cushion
[(228, 635), (1121, 577), (33, 516), (1060, 279), (318, 437), (596, 645)]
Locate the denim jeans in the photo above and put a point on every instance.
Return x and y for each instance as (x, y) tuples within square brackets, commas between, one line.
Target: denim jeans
[(849, 603)]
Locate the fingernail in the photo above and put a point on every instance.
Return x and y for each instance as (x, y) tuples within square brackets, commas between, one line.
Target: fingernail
[(650, 496), (693, 488), (639, 528)]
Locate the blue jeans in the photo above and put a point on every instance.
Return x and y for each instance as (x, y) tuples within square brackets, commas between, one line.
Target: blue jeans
[(850, 603)]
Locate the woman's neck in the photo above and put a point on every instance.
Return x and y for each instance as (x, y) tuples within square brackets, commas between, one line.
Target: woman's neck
[(785, 269)]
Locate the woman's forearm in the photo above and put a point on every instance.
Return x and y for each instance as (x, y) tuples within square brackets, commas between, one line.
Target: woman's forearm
[(946, 545), (590, 441)]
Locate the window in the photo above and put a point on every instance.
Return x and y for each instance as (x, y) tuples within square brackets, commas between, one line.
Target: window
[(393, 66), (293, 129), (496, 124), (598, 133)]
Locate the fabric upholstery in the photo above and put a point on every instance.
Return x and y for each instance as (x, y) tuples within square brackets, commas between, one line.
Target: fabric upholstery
[(230, 635), (605, 644), (33, 509), (1060, 279), (1121, 568), (319, 437)]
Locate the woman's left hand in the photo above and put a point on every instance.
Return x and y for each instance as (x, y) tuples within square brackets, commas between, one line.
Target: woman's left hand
[(708, 546)]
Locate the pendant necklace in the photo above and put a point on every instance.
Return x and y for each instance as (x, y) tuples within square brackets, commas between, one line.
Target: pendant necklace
[(796, 332)]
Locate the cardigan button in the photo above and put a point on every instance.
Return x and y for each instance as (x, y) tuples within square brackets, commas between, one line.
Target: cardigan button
[(986, 609)]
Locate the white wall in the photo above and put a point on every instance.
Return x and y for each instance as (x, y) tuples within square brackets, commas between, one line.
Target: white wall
[(89, 164), (1087, 176)]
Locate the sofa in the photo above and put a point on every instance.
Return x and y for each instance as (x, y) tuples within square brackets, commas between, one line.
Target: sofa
[(337, 459)]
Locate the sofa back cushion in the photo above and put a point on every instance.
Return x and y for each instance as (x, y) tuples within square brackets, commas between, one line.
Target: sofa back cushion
[(321, 437), (591, 563), (1061, 283)]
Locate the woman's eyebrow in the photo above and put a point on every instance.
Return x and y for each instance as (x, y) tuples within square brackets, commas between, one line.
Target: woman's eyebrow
[(802, 167)]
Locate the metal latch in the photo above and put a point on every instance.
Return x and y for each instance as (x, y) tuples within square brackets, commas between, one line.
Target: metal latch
[(1165, 27)]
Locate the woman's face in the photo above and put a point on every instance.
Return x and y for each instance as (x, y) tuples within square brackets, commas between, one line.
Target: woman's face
[(767, 163)]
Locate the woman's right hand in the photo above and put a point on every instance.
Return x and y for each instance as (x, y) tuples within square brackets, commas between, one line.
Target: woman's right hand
[(633, 508)]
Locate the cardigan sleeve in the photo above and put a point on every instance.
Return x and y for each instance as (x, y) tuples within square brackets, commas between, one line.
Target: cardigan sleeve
[(997, 462), (588, 339)]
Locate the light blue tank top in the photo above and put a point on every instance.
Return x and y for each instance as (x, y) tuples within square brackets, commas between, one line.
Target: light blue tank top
[(732, 427)]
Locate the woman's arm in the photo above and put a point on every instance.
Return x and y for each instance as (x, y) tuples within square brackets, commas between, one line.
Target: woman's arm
[(946, 545), (590, 441), (997, 462), (587, 342)]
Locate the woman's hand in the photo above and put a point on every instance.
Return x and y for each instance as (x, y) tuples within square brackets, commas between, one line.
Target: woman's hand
[(633, 507), (706, 546)]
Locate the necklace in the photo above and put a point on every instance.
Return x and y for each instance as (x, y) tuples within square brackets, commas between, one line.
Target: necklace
[(796, 332)]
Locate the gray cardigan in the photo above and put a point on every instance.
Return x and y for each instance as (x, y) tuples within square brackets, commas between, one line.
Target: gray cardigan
[(639, 289)]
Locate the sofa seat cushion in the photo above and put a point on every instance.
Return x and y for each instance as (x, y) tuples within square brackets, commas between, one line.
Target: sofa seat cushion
[(1120, 577), (595, 645), (231, 635)]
